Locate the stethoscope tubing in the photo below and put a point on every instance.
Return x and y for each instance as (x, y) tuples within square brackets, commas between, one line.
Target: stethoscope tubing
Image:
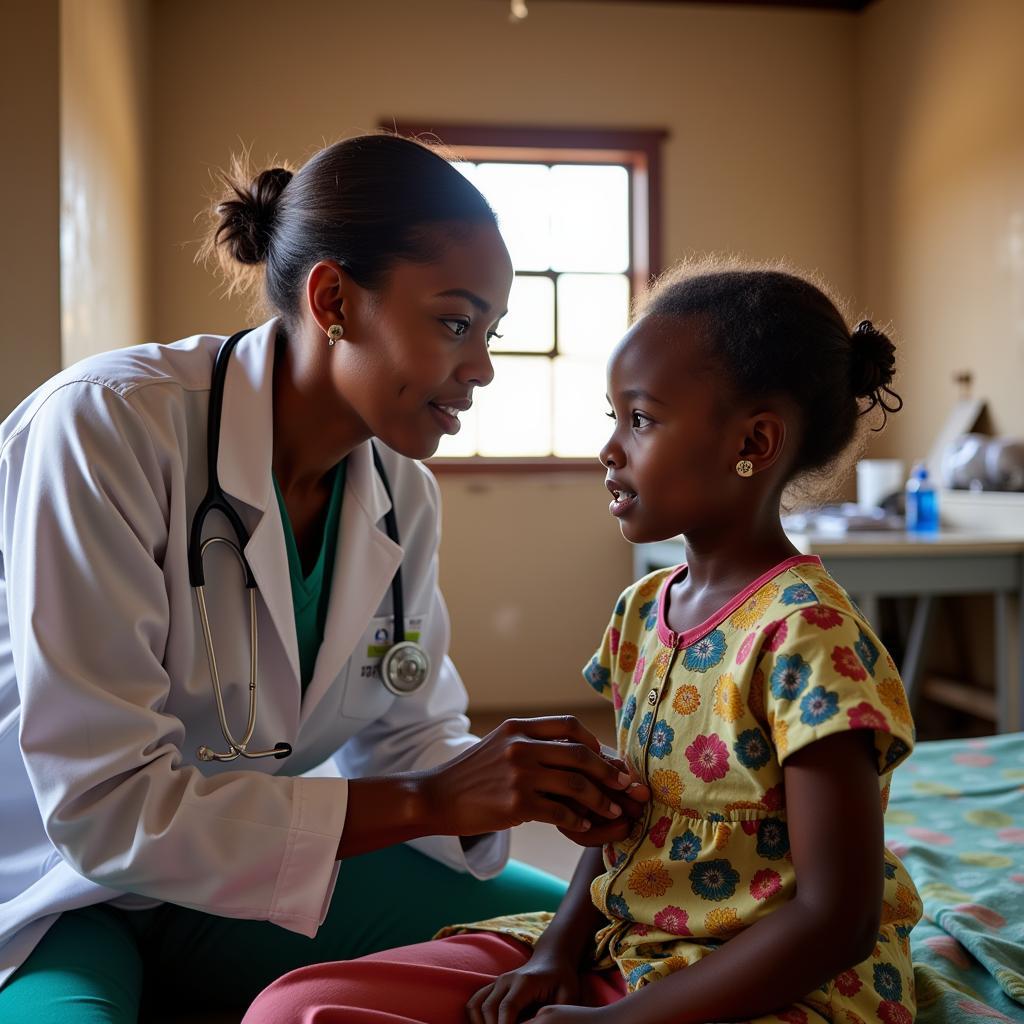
[(391, 525), (235, 747), (215, 500), (406, 661)]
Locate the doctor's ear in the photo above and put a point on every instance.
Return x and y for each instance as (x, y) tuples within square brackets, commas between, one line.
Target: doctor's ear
[(328, 295)]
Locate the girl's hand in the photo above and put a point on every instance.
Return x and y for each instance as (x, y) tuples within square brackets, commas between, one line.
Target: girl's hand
[(575, 1015), (544, 979), (533, 769)]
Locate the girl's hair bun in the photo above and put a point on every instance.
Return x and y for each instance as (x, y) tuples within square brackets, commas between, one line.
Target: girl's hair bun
[(248, 215), (872, 367)]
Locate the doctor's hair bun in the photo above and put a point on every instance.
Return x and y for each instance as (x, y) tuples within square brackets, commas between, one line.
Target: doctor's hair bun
[(248, 214), (364, 203), (872, 367)]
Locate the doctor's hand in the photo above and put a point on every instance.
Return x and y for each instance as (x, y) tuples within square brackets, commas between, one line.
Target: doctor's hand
[(633, 802), (532, 769)]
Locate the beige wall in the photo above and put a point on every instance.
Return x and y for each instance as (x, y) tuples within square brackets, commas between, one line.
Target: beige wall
[(762, 158), (104, 151), (761, 106), (29, 198), (943, 202), (530, 568)]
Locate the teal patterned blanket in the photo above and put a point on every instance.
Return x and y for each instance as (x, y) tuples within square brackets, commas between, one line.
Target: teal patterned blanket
[(956, 819)]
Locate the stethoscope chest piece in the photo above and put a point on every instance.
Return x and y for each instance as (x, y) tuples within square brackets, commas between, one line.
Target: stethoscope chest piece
[(404, 668)]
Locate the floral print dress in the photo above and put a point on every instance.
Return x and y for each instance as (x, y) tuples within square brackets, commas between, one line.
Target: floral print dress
[(708, 718)]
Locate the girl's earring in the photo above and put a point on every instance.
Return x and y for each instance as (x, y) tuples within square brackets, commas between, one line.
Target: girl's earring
[(334, 334), (745, 467)]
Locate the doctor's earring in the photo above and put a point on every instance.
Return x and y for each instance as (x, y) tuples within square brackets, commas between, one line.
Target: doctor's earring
[(334, 334), (745, 467)]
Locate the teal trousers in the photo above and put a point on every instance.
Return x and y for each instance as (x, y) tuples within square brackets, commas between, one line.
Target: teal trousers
[(102, 965)]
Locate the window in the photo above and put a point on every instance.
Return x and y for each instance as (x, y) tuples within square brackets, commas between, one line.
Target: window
[(578, 211)]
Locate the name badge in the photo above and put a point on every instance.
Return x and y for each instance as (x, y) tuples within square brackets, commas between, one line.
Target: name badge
[(381, 638)]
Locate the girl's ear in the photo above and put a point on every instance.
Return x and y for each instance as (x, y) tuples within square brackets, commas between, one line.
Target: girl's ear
[(764, 439)]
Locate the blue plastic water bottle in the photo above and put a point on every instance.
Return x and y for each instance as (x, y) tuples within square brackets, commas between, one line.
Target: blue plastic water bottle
[(922, 501)]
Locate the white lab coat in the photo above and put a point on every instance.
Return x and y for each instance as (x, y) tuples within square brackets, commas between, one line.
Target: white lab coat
[(105, 688)]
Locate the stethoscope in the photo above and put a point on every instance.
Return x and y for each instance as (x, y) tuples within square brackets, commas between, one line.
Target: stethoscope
[(405, 665)]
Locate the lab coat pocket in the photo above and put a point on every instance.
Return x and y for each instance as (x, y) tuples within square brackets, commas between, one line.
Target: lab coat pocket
[(366, 697)]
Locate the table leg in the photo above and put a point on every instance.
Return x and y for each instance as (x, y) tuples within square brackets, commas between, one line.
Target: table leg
[(868, 605), (1016, 658), (920, 626), (1002, 665)]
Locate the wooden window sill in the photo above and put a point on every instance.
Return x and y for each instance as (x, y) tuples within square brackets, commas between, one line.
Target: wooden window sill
[(511, 466)]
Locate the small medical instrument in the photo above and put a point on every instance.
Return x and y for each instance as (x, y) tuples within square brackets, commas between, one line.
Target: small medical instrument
[(405, 665)]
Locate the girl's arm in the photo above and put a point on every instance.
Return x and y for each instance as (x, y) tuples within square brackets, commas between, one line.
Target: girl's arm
[(551, 975), (835, 830), (571, 933)]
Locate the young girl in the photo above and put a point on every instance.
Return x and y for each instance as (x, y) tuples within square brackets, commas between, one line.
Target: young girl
[(749, 693)]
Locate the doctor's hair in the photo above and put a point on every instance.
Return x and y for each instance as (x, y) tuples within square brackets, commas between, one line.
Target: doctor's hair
[(366, 202), (768, 331)]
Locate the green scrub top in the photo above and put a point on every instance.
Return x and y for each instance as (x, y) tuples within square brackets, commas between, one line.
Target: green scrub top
[(311, 593)]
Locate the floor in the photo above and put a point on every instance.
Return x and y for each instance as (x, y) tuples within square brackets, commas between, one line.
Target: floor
[(544, 846)]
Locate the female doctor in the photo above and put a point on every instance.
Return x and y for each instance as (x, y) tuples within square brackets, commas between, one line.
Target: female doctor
[(162, 837)]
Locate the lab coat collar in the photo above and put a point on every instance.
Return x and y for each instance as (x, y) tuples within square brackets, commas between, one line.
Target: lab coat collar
[(247, 424), (364, 485)]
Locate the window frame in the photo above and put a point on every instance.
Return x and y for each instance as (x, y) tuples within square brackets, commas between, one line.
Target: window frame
[(639, 150)]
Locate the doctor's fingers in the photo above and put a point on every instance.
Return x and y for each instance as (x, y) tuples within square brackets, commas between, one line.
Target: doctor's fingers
[(632, 805), (567, 728), (602, 830), (577, 793), (521, 768), (576, 758), (637, 795), (599, 835)]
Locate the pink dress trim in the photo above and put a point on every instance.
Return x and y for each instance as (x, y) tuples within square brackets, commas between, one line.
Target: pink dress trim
[(672, 639)]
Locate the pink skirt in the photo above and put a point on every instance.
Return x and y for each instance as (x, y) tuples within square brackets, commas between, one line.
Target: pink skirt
[(428, 983)]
